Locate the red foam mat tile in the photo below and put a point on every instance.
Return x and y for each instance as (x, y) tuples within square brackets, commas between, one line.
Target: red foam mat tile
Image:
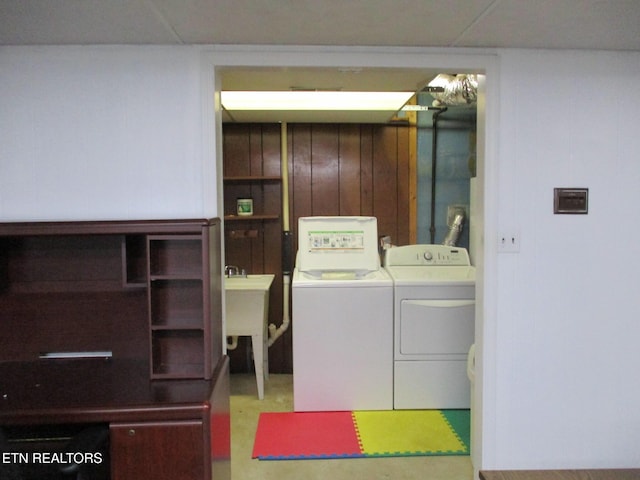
[(306, 435)]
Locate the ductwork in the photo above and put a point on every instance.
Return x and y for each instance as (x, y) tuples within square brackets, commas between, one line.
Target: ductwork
[(455, 229), (461, 89)]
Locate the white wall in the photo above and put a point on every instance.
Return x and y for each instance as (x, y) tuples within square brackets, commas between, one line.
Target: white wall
[(568, 323), (121, 132), (101, 133)]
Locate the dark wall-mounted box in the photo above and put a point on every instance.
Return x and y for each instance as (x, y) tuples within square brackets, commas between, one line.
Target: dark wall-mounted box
[(571, 200)]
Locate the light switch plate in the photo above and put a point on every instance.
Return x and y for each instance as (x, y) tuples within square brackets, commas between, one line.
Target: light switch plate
[(508, 242)]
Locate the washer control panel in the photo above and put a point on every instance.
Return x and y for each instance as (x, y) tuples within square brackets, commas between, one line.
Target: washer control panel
[(426, 255)]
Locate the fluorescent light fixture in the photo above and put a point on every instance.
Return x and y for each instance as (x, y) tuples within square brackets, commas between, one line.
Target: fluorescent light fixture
[(314, 100)]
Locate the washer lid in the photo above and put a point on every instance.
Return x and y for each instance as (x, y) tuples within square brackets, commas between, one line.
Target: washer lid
[(338, 244), (377, 278)]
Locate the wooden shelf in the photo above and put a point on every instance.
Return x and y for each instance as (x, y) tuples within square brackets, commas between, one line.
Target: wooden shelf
[(251, 178), (262, 188), (249, 218)]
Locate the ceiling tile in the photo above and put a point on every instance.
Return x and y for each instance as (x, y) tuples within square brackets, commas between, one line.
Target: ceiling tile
[(581, 24), (63, 22), (327, 22)]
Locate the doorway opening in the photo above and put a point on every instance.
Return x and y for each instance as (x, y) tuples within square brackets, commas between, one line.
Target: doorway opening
[(257, 67)]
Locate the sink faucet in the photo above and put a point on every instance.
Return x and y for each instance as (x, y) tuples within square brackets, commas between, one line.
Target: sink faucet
[(233, 271)]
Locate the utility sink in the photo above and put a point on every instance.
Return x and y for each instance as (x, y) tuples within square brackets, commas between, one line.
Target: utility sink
[(250, 282), (247, 313)]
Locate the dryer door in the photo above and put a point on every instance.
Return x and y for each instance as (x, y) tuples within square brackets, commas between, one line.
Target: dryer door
[(436, 328)]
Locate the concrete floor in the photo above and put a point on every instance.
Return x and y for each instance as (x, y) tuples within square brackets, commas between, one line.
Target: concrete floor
[(245, 410)]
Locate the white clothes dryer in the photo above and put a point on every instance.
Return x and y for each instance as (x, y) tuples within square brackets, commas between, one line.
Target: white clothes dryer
[(434, 316), (342, 312)]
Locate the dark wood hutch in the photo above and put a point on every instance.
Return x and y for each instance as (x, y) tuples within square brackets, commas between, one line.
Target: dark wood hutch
[(117, 323)]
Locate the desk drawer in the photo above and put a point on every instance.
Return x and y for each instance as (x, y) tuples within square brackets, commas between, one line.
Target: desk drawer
[(157, 451)]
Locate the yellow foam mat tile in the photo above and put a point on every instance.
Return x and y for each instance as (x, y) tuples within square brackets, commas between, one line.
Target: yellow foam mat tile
[(405, 432)]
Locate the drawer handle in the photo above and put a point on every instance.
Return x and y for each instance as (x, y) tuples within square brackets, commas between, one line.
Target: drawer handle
[(132, 432)]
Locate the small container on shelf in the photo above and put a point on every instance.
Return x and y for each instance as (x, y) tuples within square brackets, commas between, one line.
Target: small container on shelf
[(244, 207)]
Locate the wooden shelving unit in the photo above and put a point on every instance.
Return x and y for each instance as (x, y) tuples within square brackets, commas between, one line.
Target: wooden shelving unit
[(146, 290), (176, 305), (253, 169)]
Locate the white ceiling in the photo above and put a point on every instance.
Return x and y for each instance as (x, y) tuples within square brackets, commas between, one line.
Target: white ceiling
[(590, 24), (572, 24)]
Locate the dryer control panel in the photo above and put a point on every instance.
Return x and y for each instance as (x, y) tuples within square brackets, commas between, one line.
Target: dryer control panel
[(426, 255)]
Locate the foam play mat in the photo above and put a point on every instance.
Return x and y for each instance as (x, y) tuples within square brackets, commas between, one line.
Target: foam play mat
[(358, 434)]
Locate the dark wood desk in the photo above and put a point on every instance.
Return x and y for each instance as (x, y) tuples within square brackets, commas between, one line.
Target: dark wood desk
[(604, 474), (149, 294), (171, 429)]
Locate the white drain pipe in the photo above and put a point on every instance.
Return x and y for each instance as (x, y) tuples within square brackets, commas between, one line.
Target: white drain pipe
[(232, 342), (276, 332)]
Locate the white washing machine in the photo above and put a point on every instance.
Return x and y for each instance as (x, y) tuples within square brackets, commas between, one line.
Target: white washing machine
[(434, 316), (342, 312)]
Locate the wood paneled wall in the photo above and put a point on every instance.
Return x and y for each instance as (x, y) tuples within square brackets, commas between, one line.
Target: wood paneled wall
[(334, 169), (352, 170)]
